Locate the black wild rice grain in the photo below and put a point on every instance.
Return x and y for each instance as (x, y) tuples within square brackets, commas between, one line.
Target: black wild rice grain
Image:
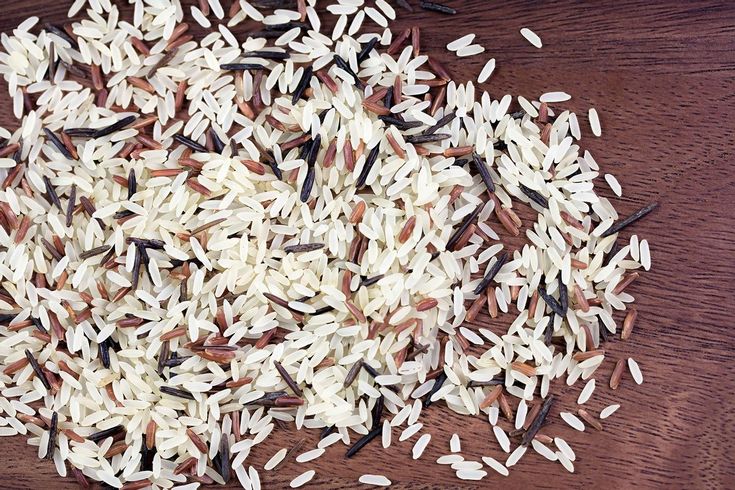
[(241, 66), (52, 433), (371, 158), (104, 348), (286, 26), (132, 183), (6, 318), (417, 349), (53, 63), (563, 297), (81, 132), (268, 55), (388, 99), (616, 227), (107, 257), (377, 412), (438, 382), (613, 250), (427, 138), (51, 249), (314, 150), (437, 7), (222, 460), (551, 301), (465, 224), (549, 332), (323, 115), (265, 34), (322, 310), (535, 196), (37, 323), (446, 119), (370, 370), (58, 31), (175, 360), (303, 247), (484, 172), (126, 213), (366, 49), (176, 392), (303, 84), (136, 268), (269, 399), (37, 369), (94, 252), (491, 273), (538, 422), (58, 144), (147, 242), (190, 143), (104, 434), (341, 63), (219, 145), (52, 195), (288, 379), (326, 431), (122, 123), (304, 150), (162, 62), (405, 5), (71, 204), (146, 456), (163, 356), (371, 280), (400, 123), (87, 205), (76, 70), (461, 162), (352, 374), (308, 184), (363, 441)]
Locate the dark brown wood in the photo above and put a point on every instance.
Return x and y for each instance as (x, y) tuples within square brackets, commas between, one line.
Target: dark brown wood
[(661, 75)]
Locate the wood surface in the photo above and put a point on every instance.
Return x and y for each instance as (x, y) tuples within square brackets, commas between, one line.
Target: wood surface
[(662, 76)]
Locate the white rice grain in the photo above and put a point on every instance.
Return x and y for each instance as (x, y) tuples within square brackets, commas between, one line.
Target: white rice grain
[(609, 410), (487, 70), (572, 421), (586, 392), (420, 446), (595, 122), (531, 37), (375, 480), (635, 371), (302, 479)]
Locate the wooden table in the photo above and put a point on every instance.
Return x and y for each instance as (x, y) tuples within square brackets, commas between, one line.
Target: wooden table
[(662, 76)]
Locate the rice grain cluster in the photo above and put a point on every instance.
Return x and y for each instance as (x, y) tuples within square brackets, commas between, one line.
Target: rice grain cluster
[(204, 239)]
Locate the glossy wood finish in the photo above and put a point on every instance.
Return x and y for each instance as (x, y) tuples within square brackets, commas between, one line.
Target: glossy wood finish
[(662, 76)]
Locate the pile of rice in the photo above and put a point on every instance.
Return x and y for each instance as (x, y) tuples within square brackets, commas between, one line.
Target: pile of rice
[(234, 256)]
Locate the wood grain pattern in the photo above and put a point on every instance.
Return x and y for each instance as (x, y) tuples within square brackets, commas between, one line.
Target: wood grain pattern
[(662, 77)]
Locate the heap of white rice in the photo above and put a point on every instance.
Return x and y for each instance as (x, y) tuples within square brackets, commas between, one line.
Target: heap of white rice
[(408, 326)]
